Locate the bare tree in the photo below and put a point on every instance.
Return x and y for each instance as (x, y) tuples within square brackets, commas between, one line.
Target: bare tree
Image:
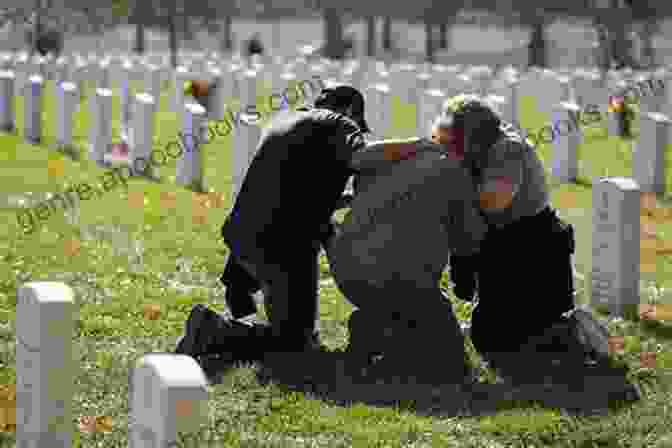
[(371, 36)]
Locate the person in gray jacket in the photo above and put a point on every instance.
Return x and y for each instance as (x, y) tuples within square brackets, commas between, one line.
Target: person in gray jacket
[(388, 255)]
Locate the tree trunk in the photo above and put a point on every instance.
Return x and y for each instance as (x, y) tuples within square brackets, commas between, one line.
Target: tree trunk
[(443, 36), (621, 48), (334, 44), (371, 37), (429, 42), (648, 53), (227, 41), (37, 27), (537, 45), (172, 35), (139, 38), (616, 46), (387, 34)]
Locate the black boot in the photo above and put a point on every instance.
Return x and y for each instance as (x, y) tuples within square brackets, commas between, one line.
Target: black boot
[(210, 333)]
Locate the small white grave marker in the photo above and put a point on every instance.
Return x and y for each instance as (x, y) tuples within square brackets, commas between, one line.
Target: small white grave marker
[(7, 114), (378, 102), (126, 98), (33, 109), (566, 140), (404, 83), (153, 84), (45, 370), (103, 74), (168, 395), (140, 147), (429, 109), (616, 245), (101, 125), (217, 104), (248, 90), (67, 103), (649, 152), (511, 108), (180, 76), (190, 164)]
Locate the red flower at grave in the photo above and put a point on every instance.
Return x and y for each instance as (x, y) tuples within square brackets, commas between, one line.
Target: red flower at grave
[(616, 104)]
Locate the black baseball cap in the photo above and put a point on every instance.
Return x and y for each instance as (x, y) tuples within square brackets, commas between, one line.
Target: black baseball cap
[(343, 96)]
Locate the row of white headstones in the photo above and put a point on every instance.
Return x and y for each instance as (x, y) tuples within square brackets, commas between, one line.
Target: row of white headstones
[(168, 392), (563, 95)]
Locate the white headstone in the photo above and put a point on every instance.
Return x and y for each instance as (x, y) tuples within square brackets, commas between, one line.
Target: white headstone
[(180, 76), (428, 109), (232, 85), (616, 245), (66, 104), (379, 108), (100, 136), (7, 114), (45, 369), (33, 109), (21, 71), (511, 108), (245, 146), (404, 83), (482, 77), (248, 90), (80, 75), (285, 95), (190, 164), (103, 74), (590, 90), (142, 132), (126, 98), (649, 152), (62, 69), (565, 141), (167, 395), (153, 84), (651, 93), (217, 103)]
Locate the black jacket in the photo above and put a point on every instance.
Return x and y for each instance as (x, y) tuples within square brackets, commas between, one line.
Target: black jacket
[(293, 185)]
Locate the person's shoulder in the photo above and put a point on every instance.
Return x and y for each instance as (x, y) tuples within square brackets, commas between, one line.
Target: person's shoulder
[(332, 118), (510, 144)]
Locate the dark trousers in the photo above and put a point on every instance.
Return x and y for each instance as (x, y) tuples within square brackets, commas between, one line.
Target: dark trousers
[(291, 296), (525, 282)]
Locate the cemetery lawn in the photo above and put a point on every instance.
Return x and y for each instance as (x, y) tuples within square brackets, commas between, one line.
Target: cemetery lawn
[(112, 330)]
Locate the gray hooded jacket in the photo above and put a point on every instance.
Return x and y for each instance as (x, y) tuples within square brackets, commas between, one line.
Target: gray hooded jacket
[(405, 220)]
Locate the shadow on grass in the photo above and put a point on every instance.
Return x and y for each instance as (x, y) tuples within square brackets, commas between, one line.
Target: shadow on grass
[(332, 376)]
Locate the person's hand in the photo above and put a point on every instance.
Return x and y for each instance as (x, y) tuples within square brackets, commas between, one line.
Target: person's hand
[(440, 137)]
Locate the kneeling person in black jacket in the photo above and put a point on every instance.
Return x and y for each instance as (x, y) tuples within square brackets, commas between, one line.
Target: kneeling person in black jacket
[(281, 217)]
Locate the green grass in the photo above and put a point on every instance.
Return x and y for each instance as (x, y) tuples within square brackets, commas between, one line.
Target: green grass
[(111, 332)]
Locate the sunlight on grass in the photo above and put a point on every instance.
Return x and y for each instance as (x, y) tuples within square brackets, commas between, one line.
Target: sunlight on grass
[(135, 286)]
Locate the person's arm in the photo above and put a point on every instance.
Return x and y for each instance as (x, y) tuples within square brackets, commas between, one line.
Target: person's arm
[(392, 150), (464, 222)]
